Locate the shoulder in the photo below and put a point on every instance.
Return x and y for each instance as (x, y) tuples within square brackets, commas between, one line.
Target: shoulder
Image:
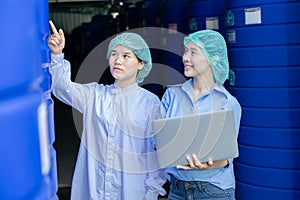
[(182, 87), (232, 101), (147, 95), (180, 91), (94, 86), (174, 89), (98, 89)]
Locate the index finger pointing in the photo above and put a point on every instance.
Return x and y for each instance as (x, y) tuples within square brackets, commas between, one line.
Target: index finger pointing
[(53, 28)]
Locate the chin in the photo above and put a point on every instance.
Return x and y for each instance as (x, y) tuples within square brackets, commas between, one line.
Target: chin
[(187, 74), (116, 77)]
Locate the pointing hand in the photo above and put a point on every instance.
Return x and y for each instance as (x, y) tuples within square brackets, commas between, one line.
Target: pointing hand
[(56, 40)]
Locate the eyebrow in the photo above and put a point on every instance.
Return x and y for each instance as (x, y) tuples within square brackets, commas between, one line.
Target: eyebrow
[(126, 52), (194, 49)]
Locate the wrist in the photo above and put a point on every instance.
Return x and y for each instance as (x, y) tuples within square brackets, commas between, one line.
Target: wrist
[(57, 53), (56, 58), (227, 164)]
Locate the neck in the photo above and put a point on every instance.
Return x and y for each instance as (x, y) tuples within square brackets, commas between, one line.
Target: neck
[(201, 86), (124, 84)]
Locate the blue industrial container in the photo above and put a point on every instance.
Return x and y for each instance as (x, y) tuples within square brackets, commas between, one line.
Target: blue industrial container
[(24, 157), (151, 13), (46, 82), (173, 15), (46, 87), (175, 21), (152, 18), (20, 52), (25, 56), (44, 30), (53, 174), (264, 55), (207, 14)]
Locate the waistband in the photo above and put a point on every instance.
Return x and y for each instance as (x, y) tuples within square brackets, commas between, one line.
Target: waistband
[(186, 184)]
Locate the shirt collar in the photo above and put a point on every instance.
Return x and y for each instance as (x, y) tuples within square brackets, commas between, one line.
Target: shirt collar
[(188, 88), (115, 89)]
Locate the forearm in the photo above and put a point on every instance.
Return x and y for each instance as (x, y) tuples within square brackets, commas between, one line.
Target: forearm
[(61, 82)]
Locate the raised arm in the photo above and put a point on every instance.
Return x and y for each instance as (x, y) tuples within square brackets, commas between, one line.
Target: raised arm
[(71, 93)]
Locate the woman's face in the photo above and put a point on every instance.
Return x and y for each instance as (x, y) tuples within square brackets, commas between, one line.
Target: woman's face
[(124, 65), (195, 62)]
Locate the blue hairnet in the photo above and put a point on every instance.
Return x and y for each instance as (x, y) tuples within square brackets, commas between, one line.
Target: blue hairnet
[(139, 47), (213, 46)]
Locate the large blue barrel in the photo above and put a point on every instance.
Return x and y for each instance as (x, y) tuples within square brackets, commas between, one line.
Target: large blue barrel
[(24, 170), (53, 174), (207, 14), (152, 18), (46, 86), (173, 15), (46, 79), (20, 57), (24, 158), (264, 55), (175, 20), (151, 13), (152, 33)]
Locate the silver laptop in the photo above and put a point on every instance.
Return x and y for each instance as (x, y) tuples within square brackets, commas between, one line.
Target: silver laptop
[(209, 135)]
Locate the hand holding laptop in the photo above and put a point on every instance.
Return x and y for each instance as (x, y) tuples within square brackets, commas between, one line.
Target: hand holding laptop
[(194, 163)]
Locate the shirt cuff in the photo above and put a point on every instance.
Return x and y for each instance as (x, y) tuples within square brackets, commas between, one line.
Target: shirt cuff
[(55, 58)]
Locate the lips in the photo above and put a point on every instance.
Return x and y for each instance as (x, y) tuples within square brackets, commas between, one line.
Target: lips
[(187, 67), (117, 69)]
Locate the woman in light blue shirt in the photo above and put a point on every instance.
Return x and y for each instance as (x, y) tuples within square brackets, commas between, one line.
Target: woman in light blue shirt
[(116, 159), (206, 63)]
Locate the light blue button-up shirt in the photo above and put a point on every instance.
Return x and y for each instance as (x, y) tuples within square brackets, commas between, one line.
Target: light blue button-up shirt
[(116, 159), (178, 101)]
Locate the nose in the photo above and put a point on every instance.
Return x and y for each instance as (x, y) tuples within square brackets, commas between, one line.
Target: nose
[(185, 58), (118, 59)]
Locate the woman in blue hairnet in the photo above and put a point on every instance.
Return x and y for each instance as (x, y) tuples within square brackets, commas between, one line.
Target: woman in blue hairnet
[(206, 64), (116, 159)]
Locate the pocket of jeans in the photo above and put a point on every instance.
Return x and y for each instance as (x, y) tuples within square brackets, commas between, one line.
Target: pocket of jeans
[(213, 191)]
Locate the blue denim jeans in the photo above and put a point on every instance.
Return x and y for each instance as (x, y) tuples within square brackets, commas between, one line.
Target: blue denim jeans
[(196, 190)]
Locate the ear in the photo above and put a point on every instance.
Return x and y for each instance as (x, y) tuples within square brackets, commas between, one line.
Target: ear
[(141, 65)]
